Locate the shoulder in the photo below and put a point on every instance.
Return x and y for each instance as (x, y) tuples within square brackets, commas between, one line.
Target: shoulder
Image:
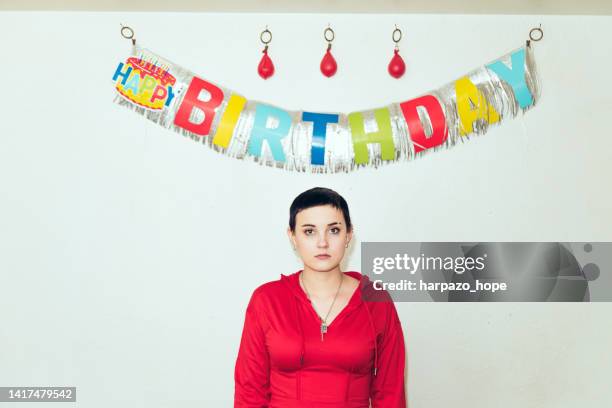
[(372, 293), (268, 288), (263, 293), (265, 299), (380, 303)]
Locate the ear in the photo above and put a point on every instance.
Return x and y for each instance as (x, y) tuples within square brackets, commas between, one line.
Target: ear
[(290, 235), (349, 236)]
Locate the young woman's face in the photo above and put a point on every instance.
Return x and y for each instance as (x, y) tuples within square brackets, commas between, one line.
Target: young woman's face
[(320, 237)]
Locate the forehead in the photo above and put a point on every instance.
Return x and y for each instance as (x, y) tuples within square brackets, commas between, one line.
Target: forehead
[(319, 215)]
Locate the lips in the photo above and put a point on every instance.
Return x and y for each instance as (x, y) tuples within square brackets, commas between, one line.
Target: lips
[(323, 256)]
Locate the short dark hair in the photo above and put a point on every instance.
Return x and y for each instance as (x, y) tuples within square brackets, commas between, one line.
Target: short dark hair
[(319, 196)]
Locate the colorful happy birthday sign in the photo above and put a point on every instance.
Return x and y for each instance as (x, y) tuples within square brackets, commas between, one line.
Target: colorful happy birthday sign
[(177, 99)]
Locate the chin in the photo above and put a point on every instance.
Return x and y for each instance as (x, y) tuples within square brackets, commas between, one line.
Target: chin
[(324, 265)]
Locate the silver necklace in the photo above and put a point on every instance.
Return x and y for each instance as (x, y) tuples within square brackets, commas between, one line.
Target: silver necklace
[(323, 321)]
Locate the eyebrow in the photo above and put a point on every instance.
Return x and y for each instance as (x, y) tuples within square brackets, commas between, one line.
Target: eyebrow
[(329, 225)]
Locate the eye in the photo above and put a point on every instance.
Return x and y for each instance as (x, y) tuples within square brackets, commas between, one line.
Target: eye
[(335, 230), (308, 231)]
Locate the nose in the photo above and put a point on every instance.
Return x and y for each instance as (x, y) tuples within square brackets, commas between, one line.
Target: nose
[(322, 243)]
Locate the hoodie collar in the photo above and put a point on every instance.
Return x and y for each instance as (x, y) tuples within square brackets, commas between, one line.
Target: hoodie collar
[(292, 282)]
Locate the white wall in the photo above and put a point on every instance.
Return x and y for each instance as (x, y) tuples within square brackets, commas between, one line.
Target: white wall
[(128, 253)]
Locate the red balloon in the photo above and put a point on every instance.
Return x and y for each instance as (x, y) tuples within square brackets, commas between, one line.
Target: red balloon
[(266, 67), (396, 66), (328, 64)]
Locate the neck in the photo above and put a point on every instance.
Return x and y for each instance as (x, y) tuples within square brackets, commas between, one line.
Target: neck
[(322, 283)]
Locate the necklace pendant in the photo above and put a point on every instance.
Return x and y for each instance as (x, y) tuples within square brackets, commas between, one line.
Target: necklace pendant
[(323, 330)]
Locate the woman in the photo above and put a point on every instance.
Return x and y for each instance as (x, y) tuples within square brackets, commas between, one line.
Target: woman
[(320, 337)]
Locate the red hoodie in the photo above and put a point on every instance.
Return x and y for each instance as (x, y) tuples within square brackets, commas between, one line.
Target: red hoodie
[(282, 362)]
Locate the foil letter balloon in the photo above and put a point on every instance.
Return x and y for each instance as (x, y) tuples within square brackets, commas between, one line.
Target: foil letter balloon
[(325, 142), (266, 67), (396, 66), (328, 63)]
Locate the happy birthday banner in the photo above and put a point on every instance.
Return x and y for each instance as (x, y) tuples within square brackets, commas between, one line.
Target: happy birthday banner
[(175, 98)]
